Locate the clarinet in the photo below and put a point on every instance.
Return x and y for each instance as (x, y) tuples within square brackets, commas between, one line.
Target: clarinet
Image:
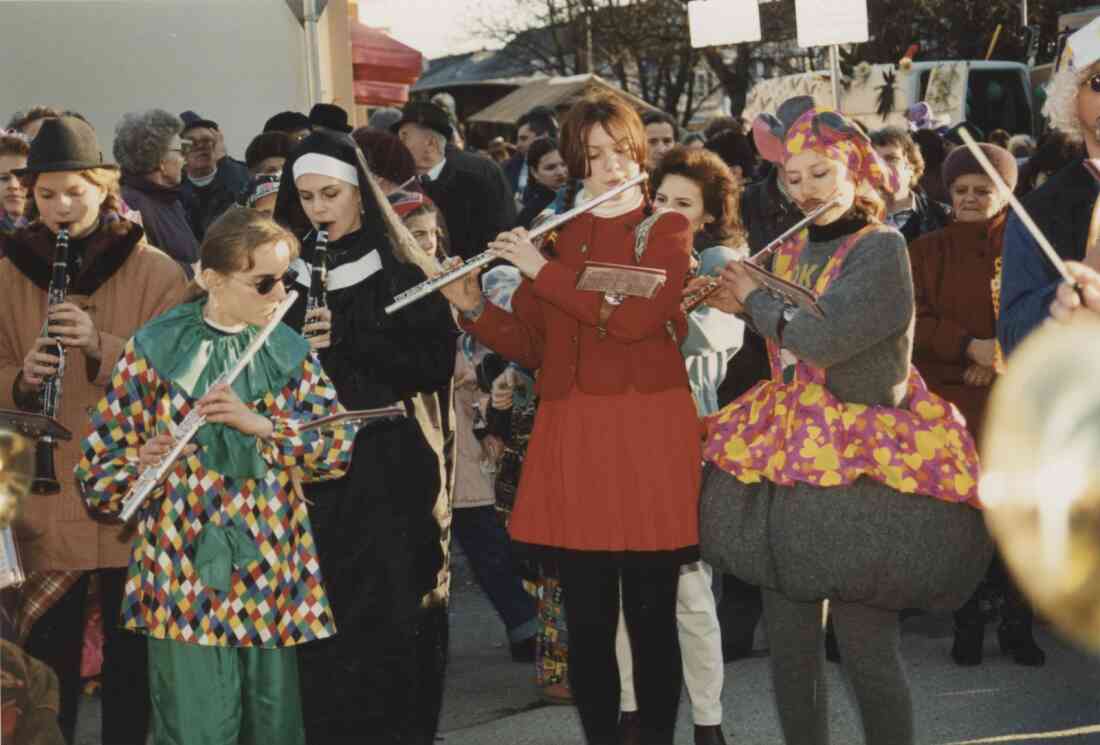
[(318, 278), (45, 475)]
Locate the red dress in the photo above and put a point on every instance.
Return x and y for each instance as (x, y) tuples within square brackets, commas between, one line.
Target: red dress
[(614, 460)]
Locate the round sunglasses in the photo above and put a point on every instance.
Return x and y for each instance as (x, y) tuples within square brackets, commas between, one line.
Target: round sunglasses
[(266, 284)]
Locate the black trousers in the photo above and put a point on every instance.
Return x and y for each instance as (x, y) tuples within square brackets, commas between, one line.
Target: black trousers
[(57, 639), (590, 592)]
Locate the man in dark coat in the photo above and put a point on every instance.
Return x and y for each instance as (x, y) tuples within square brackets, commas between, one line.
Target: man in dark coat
[(212, 184), (470, 190), (536, 124)]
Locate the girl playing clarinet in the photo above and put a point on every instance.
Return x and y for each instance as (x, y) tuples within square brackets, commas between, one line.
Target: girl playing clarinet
[(224, 578)]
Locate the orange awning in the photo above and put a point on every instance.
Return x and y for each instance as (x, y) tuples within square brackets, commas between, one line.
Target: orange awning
[(383, 68)]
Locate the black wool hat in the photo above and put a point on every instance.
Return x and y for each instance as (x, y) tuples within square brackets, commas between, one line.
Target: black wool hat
[(426, 115), (287, 121), (191, 120), (329, 116), (64, 144)]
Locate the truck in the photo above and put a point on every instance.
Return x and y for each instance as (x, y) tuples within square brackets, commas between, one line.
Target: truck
[(988, 94)]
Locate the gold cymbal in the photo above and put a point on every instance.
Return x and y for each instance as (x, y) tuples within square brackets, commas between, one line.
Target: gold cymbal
[(16, 468), (1041, 474)]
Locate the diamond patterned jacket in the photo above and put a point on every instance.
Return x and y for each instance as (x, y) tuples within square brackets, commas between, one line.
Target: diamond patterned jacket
[(249, 537)]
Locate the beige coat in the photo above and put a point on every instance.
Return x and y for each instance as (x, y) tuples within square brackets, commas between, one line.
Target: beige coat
[(122, 284), (472, 488)]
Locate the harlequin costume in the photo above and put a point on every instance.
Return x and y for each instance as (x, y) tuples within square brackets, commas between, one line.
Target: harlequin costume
[(842, 477), (223, 577)]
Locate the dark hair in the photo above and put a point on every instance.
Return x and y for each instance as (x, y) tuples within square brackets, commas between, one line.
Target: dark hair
[(386, 154), (21, 119), (999, 137), (14, 145), (541, 121), (933, 148), (660, 117), (896, 136), (273, 144), (720, 124), (231, 241), (721, 191), (615, 115), (539, 149), (735, 149)]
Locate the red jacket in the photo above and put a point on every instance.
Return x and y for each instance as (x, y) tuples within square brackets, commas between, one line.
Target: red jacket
[(553, 327)]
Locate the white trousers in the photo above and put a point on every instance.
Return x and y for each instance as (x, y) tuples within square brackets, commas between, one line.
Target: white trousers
[(700, 647)]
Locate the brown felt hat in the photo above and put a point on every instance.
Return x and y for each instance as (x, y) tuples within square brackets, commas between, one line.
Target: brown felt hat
[(961, 163)]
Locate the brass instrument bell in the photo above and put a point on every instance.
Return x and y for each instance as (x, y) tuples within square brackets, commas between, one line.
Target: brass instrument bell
[(1041, 474)]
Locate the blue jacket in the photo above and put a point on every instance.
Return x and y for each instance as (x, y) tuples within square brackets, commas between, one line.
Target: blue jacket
[(1062, 208)]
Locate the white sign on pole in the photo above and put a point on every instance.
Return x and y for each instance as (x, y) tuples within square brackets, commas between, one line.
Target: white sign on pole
[(716, 23), (822, 23)]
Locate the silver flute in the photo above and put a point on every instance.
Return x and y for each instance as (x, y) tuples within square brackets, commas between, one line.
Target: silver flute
[(429, 286), (150, 477)]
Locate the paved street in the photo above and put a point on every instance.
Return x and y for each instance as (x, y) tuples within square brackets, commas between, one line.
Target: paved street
[(491, 700)]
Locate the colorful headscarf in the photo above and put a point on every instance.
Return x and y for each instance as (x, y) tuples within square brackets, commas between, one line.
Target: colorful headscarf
[(800, 127)]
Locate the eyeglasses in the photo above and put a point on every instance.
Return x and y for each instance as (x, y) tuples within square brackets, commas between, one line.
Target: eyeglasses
[(266, 284)]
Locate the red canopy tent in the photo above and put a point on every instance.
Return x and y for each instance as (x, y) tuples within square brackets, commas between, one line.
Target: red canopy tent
[(383, 68)]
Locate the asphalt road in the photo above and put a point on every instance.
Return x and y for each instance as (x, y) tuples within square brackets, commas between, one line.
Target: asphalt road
[(490, 700)]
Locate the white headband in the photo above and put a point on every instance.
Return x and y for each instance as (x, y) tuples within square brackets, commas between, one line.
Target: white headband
[(325, 165)]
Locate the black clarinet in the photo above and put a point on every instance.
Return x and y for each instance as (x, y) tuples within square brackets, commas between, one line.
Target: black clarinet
[(45, 475), (318, 278)]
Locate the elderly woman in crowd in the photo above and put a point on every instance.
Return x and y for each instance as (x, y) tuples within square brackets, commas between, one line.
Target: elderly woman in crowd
[(955, 346), (149, 152), (13, 195)]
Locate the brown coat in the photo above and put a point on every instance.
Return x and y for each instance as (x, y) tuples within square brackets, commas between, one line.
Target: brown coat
[(123, 283), (952, 274)]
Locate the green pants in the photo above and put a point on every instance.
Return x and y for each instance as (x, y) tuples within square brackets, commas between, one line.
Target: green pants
[(224, 695)]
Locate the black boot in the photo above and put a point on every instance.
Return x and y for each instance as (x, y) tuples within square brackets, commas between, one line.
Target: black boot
[(1015, 633), (709, 735), (967, 648), (630, 728)]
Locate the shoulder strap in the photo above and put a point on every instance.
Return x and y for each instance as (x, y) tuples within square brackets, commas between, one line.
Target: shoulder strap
[(641, 235)]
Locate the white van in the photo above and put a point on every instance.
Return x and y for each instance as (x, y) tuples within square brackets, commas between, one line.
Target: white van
[(990, 95)]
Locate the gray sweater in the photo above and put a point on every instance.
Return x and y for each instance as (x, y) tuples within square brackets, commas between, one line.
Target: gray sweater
[(865, 341)]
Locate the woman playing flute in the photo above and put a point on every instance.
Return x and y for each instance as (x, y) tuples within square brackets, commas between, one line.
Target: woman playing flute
[(610, 484), (842, 478), (224, 578)]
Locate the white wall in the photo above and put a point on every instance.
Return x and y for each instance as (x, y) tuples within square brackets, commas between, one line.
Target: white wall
[(234, 61)]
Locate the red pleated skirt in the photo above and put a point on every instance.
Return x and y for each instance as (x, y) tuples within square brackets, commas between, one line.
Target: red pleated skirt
[(616, 473)]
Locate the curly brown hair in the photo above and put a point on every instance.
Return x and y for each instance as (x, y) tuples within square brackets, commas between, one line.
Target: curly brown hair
[(14, 145), (721, 190)]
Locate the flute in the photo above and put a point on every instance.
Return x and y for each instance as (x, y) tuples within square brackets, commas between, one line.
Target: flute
[(429, 286), (151, 476), (695, 298)]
